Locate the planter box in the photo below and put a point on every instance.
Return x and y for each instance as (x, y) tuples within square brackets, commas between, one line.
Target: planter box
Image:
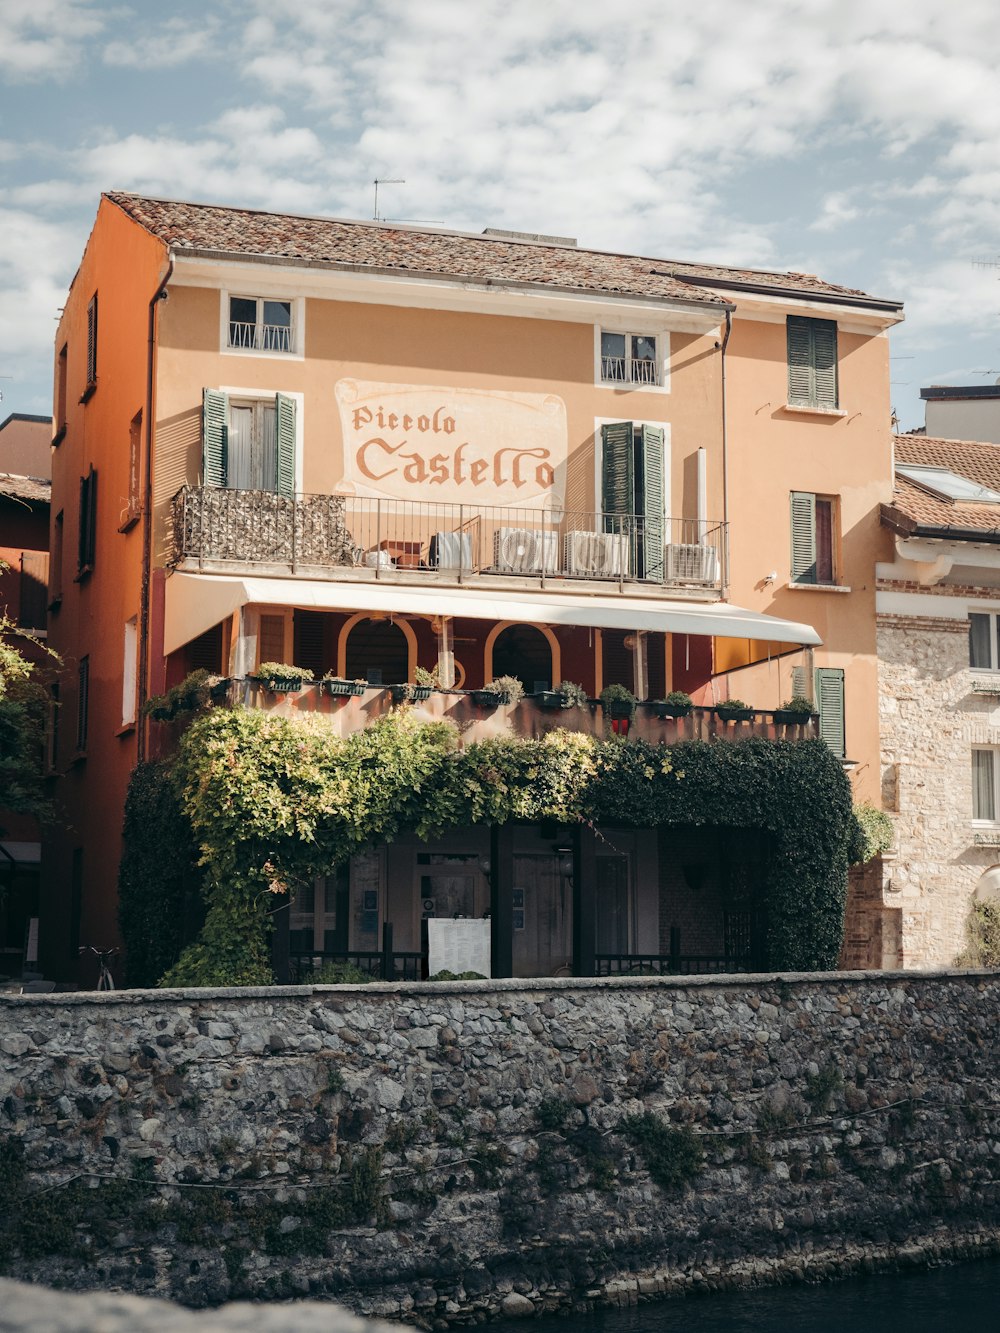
[(342, 688), (411, 693), (672, 710), (550, 699), (790, 716), (486, 698), (281, 686), (620, 709), (734, 714)]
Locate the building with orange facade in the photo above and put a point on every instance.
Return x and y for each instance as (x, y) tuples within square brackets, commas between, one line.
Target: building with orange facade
[(25, 447), (369, 448)]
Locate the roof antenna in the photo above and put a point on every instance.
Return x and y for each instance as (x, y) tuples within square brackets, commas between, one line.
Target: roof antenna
[(384, 180)]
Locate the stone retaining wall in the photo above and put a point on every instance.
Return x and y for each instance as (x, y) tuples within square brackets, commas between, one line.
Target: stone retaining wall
[(447, 1152)]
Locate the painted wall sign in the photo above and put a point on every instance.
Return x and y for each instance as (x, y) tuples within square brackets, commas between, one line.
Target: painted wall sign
[(477, 446)]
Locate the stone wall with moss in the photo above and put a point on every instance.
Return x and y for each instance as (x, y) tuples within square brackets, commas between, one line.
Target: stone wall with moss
[(450, 1151)]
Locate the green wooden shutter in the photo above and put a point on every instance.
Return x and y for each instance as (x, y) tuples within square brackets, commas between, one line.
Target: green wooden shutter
[(215, 438), (812, 361), (830, 703), (92, 342), (800, 377), (650, 503), (800, 683), (803, 537), (824, 333), (617, 469), (285, 417)]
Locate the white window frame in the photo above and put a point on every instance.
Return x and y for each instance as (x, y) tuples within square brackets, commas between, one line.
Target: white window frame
[(994, 617), (296, 351), (662, 337), (980, 821), (130, 673)]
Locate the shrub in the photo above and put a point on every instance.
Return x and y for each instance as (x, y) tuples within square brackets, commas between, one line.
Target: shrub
[(574, 696), (876, 831), (194, 692), (509, 688), (798, 703), (617, 694), (673, 1154), (281, 671), (679, 699), (983, 932)]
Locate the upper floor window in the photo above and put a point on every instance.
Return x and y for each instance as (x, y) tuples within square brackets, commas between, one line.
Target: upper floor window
[(258, 324), (133, 504), (814, 538), (984, 785), (812, 362), (629, 358), (249, 444), (88, 524), (91, 384), (82, 704), (984, 640), (61, 371)]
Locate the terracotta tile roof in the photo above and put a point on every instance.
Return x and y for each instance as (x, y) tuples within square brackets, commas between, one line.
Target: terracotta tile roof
[(913, 508), (25, 488), (480, 258)]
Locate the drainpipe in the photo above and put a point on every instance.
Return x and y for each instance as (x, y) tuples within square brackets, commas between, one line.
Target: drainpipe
[(725, 456), (147, 518)]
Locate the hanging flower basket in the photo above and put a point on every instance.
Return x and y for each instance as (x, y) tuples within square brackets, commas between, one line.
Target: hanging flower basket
[(342, 688)]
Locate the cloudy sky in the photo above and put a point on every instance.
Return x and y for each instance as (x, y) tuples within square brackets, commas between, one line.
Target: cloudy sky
[(856, 139)]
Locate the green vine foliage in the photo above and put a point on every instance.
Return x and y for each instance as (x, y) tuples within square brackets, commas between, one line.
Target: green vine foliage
[(876, 830), (159, 883), (273, 801)]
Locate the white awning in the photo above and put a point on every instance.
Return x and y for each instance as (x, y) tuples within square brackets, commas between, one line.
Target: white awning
[(196, 602)]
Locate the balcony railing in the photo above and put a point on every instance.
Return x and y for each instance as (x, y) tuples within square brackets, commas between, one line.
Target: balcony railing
[(260, 337), (629, 370), (411, 539)]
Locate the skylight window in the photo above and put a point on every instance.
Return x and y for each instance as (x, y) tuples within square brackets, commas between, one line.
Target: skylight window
[(946, 484)]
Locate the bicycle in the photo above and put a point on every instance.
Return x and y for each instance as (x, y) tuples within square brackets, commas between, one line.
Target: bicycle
[(105, 981)]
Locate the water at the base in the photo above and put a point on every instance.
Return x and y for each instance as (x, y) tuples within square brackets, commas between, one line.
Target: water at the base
[(943, 1300)]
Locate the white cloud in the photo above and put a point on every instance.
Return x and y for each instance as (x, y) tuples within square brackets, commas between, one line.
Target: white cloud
[(42, 39), (175, 42)]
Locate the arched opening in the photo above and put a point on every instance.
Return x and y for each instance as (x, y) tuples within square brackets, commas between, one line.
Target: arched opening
[(377, 651), (525, 652)]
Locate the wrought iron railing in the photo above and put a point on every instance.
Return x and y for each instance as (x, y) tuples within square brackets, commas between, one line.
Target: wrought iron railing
[(375, 963), (628, 370), (262, 527), (260, 337), (668, 964)]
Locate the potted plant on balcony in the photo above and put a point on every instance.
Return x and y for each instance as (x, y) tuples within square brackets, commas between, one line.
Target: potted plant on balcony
[(418, 691), (281, 677), (677, 704), (567, 694), (619, 705), (502, 690), (341, 688), (796, 709), (734, 710)]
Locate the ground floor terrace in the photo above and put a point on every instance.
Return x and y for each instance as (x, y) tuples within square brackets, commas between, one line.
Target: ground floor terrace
[(534, 900)]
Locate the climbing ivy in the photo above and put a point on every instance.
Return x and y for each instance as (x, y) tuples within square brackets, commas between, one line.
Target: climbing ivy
[(273, 801)]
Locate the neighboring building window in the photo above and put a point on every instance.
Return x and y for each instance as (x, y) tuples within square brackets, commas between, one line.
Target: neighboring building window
[(629, 358), (249, 445), (82, 703), (92, 344), (88, 523), (56, 563), (814, 538), (633, 492), (130, 672), (258, 324), (61, 370), (134, 470), (34, 599), (984, 786), (984, 640), (812, 362)]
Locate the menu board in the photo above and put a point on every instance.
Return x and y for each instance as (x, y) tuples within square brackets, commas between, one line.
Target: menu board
[(458, 946)]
